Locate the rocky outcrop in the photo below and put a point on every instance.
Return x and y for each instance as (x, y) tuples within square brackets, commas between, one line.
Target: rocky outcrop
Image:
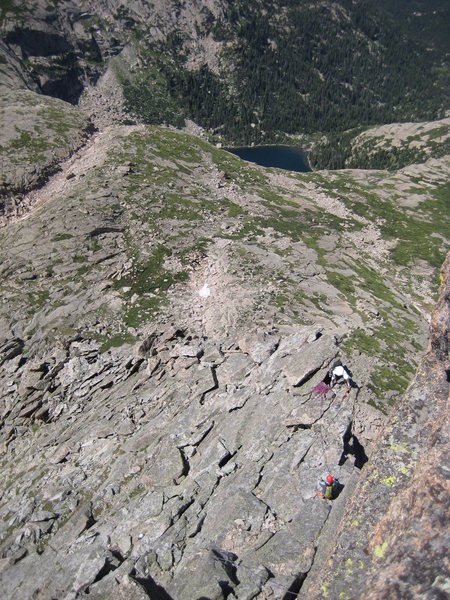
[(61, 50), (180, 459), (37, 134), (393, 539)]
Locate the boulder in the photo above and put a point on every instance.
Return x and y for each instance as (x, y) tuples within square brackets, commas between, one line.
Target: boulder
[(234, 369), (259, 345), (308, 358)]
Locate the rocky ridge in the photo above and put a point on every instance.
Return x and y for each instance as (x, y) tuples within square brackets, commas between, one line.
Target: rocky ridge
[(159, 442), (149, 432), (188, 456), (121, 226)]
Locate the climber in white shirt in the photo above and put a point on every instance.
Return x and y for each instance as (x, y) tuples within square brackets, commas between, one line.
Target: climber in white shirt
[(338, 372)]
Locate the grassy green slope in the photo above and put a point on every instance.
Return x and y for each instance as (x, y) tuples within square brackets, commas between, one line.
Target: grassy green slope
[(128, 242), (37, 133)]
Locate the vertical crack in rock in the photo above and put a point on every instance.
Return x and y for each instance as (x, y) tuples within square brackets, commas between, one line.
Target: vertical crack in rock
[(304, 455), (295, 586), (198, 527), (308, 377), (180, 512), (223, 461), (215, 386), (260, 476), (90, 520), (134, 368), (112, 562), (227, 559), (324, 410), (303, 577), (201, 436), (186, 466), (264, 542)]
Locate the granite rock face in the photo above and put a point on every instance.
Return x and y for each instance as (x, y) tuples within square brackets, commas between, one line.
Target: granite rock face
[(158, 441), (145, 474), (393, 539)]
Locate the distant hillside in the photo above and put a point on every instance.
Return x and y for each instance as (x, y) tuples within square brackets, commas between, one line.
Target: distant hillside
[(302, 68), (245, 71), (391, 146), (427, 19)]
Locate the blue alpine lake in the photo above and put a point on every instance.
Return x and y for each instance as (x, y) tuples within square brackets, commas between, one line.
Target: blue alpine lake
[(289, 158)]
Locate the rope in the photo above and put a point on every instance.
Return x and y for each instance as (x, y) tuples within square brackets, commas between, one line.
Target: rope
[(322, 393), (322, 437)]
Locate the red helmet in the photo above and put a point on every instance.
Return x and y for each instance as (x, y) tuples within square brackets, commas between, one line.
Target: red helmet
[(329, 479)]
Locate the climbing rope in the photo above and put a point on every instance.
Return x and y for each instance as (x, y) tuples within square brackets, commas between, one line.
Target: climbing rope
[(322, 437), (322, 389)]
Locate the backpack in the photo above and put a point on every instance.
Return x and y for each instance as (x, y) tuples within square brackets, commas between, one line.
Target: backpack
[(348, 371), (337, 363)]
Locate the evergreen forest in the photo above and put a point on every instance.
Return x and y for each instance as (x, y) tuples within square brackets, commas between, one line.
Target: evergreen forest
[(302, 68)]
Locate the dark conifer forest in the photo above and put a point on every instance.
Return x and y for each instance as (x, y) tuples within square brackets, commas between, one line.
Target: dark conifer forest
[(311, 68)]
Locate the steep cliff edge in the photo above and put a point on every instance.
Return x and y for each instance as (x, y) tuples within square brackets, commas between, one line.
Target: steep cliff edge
[(393, 539)]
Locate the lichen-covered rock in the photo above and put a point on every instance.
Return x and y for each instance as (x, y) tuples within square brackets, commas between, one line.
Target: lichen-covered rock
[(393, 539)]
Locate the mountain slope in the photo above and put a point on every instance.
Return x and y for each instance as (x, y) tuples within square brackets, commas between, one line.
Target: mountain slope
[(323, 239), (150, 432), (245, 71), (170, 313)]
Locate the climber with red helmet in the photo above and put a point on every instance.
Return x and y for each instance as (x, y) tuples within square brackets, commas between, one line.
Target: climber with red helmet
[(328, 488)]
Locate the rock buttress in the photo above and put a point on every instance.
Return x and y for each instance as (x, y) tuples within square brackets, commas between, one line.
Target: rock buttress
[(393, 539)]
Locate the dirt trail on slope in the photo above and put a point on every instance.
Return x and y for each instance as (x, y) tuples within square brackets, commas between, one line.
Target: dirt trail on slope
[(56, 184), (92, 154)]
